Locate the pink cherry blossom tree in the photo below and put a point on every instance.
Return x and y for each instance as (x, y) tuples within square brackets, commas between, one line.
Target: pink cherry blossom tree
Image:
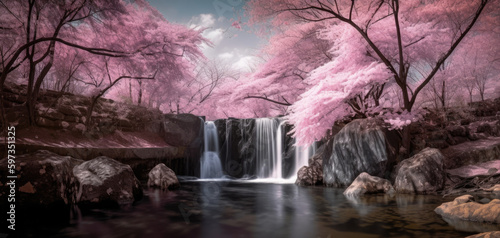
[(375, 43)]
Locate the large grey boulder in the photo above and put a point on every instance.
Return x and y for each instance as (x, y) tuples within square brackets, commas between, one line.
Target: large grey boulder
[(43, 179), (163, 177), (465, 208), (365, 184), (105, 180), (363, 145), (423, 173)]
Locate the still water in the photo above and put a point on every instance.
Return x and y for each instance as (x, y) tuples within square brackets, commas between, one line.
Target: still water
[(250, 209)]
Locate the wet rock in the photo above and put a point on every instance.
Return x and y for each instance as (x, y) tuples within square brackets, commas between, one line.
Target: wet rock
[(106, 181), (182, 129), (491, 234), (163, 177), (44, 179), (465, 208), (423, 173), (363, 145), (366, 183)]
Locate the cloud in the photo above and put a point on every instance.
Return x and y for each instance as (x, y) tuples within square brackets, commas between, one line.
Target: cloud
[(214, 35), (202, 20), (226, 55)]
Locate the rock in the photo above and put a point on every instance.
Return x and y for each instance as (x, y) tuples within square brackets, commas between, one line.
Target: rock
[(477, 136), (313, 174), (366, 183), (44, 179), (491, 234), (80, 127), (464, 208), (68, 110), (64, 124), (183, 130), (50, 113), (472, 152), (482, 169), (423, 173), (494, 189), (163, 177), (363, 145), (106, 181)]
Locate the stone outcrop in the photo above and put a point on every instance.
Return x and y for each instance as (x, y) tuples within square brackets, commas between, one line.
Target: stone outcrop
[(423, 173), (366, 184), (43, 179), (472, 152), (363, 145), (106, 181), (163, 177), (465, 208)]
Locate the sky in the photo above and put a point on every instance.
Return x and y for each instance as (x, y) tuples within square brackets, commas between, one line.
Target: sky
[(233, 46)]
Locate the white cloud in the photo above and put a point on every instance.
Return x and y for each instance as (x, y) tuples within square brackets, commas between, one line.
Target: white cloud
[(226, 55), (214, 35), (203, 20)]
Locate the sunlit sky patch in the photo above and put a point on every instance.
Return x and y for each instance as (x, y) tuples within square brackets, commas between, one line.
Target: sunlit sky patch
[(231, 45)]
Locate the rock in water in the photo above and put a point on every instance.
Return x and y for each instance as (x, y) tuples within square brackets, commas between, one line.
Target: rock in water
[(366, 183), (465, 208), (105, 180), (423, 173), (163, 177), (363, 145), (44, 178)]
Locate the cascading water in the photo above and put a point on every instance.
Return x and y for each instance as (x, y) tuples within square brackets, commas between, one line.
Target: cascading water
[(267, 164), (210, 162), (302, 155)]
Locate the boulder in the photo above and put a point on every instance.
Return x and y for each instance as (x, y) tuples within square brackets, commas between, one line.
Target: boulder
[(465, 208), (313, 174), (363, 145), (163, 177), (423, 173), (43, 179), (106, 181), (491, 234), (366, 183)]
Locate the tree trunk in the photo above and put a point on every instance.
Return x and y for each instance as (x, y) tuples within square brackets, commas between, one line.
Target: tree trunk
[(90, 109), (139, 100)]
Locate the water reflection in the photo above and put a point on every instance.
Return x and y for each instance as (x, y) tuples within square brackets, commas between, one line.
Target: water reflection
[(246, 209)]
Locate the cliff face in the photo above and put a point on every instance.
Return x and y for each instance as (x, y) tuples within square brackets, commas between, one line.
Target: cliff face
[(132, 134)]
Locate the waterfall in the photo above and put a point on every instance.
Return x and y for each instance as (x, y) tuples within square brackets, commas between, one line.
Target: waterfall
[(267, 164), (302, 155), (210, 162)]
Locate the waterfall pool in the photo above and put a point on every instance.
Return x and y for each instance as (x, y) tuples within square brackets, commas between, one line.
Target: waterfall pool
[(228, 208)]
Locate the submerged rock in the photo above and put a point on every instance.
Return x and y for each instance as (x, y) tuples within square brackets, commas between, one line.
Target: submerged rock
[(366, 183), (465, 208), (105, 180), (363, 145), (423, 173), (163, 177), (43, 179)]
